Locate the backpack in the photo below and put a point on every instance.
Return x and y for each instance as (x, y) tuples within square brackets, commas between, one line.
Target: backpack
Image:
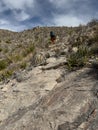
[(52, 34)]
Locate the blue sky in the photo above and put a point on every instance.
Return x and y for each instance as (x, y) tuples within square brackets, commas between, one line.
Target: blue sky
[(17, 15)]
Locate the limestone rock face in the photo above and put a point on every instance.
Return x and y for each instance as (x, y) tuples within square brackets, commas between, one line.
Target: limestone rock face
[(40, 102)]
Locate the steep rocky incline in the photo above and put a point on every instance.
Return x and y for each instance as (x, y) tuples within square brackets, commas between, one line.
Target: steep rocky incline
[(48, 97)]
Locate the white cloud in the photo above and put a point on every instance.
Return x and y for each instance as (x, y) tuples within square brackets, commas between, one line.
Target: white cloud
[(18, 4), (60, 3), (3, 22), (21, 16), (67, 20), (15, 28)]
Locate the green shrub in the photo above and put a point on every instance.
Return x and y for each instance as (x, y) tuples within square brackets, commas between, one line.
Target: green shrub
[(23, 65), (76, 44), (3, 64), (6, 74), (0, 49), (28, 50), (78, 59), (83, 51), (19, 46), (8, 41), (70, 31), (75, 61), (17, 58), (94, 49), (93, 39), (5, 50)]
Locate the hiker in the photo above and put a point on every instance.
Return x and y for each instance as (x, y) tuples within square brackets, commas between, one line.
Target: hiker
[(52, 36)]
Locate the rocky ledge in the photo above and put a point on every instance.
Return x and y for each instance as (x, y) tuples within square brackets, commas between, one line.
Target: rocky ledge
[(49, 97)]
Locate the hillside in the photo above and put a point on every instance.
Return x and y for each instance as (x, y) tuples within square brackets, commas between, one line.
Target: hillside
[(45, 86)]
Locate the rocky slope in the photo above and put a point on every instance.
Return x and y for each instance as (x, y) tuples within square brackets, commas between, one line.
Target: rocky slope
[(46, 95)]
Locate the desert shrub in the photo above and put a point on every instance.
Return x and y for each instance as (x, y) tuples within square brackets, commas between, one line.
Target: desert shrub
[(93, 22), (8, 73), (28, 50), (78, 59), (5, 50), (9, 59), (3, 64), (8, 41), (75, 61), (17, 57), (93, 39), (19, 46), (14, 58), (70, 31), (23, 65), (5, 74), (94, 49), (0, 49), (76, 44), (83, 51)]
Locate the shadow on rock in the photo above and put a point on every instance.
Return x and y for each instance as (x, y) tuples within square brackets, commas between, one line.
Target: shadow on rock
[(94, 71)]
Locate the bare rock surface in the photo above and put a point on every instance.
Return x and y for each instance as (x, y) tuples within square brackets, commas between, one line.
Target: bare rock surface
[(41, 101)]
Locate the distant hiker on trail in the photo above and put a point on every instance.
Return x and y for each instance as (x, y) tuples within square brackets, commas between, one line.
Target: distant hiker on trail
[(53, 37)]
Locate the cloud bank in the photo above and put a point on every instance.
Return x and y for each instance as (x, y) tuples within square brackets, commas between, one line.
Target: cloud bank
[(18, 15)]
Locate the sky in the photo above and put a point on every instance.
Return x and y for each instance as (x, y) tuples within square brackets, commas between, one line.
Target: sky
[(19, 15)]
